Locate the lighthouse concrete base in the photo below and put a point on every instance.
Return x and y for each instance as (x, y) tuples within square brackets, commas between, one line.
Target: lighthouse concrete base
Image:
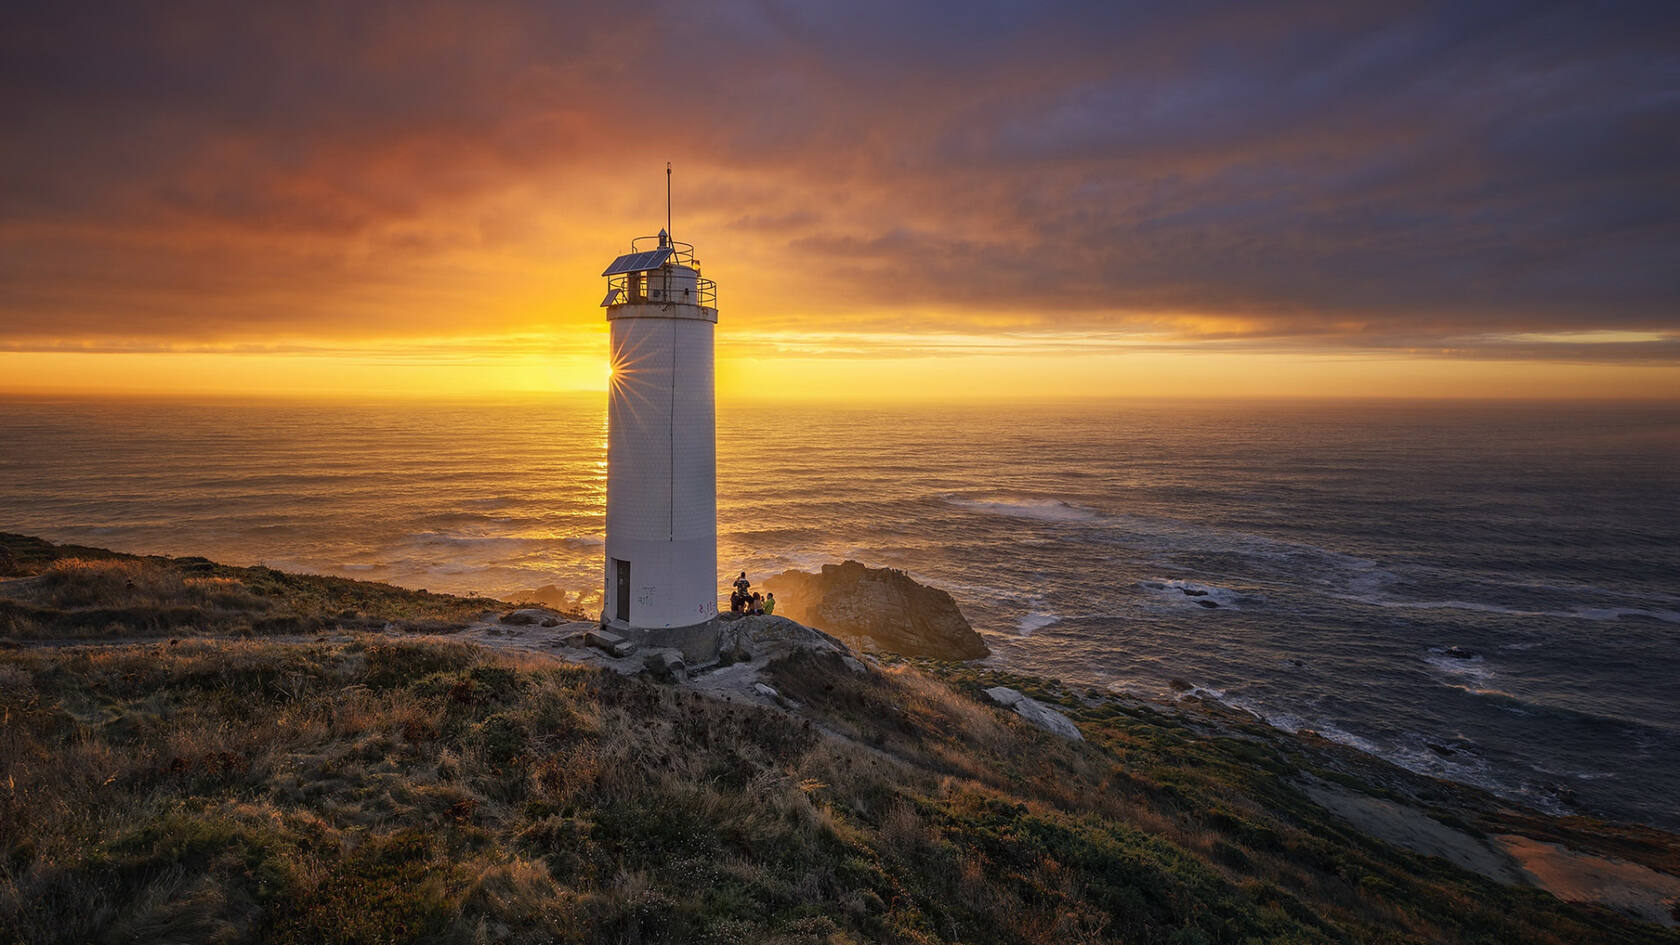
[(698, 642)]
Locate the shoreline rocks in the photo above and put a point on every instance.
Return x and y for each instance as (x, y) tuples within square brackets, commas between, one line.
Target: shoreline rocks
[(883, 607), (1035, 712)]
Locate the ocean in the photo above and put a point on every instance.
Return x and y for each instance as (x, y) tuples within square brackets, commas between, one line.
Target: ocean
[(1313, 563)]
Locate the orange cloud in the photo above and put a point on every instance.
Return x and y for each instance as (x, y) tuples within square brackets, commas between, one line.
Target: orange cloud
[(1077, 178)]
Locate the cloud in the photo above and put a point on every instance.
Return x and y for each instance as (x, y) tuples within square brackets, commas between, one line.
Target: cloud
[(1372, 176)]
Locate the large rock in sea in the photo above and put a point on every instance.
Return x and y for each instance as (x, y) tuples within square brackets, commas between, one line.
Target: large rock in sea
[(882, 606)]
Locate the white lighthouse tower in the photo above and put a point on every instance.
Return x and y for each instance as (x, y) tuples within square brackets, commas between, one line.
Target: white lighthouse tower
[(661, 554)]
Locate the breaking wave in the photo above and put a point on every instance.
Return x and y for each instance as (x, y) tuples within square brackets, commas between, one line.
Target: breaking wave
[(1036, 620), (1043, 510), (1472, 668)]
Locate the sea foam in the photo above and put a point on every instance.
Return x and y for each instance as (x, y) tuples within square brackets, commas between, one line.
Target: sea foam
[(1043, 510)]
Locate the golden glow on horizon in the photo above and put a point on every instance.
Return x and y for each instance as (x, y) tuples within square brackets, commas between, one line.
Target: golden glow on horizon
[(1589, 337), (790, 370), (496, 300)]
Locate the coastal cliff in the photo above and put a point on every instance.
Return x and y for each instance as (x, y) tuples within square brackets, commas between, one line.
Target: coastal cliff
[(196, 752), (879, 607)]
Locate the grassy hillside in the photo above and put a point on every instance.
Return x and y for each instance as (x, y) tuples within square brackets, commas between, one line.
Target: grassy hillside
[(65, 591), (384, 788)]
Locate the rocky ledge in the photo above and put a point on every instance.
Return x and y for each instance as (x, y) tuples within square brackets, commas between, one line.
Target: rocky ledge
[(879, 608), (1035, 712)]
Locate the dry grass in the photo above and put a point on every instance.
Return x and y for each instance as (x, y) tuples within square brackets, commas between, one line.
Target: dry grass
[(59, 592), (384, 790), (419, 789), (80, 582)]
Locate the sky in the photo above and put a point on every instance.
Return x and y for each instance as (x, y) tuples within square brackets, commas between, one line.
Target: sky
[(897, 200)]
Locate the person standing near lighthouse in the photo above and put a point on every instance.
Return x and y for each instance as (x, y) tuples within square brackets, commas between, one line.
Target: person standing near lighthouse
[(661, 528)]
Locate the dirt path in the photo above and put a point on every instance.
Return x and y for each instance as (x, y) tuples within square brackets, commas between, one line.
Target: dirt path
[(1636, 890), (1629, 888)]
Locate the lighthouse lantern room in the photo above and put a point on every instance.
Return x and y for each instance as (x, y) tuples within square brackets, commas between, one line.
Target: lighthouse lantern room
[(661, 542)]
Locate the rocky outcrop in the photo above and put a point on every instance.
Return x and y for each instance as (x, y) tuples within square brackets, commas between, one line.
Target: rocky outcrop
[(527, 616), (746, 639), (878, 606), (1035, 712)]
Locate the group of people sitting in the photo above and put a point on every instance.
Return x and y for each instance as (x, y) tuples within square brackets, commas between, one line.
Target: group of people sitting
[(745, 600)]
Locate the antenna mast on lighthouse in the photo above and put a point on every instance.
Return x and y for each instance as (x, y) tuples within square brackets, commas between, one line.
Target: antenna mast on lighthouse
[(667, 198)]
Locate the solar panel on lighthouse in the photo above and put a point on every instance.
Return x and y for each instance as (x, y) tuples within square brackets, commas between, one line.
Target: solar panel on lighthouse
[(639, 262)]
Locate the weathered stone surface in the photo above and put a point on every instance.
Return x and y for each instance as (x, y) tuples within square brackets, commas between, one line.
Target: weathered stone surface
[(698, 642), (609, 642), (526, 616), (1048, 719), (749, 639), (881, 606), (1004, 696), (665, 666), (1035, 712)]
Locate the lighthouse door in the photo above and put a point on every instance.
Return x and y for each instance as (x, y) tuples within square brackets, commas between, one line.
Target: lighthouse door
[(622, 588)]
